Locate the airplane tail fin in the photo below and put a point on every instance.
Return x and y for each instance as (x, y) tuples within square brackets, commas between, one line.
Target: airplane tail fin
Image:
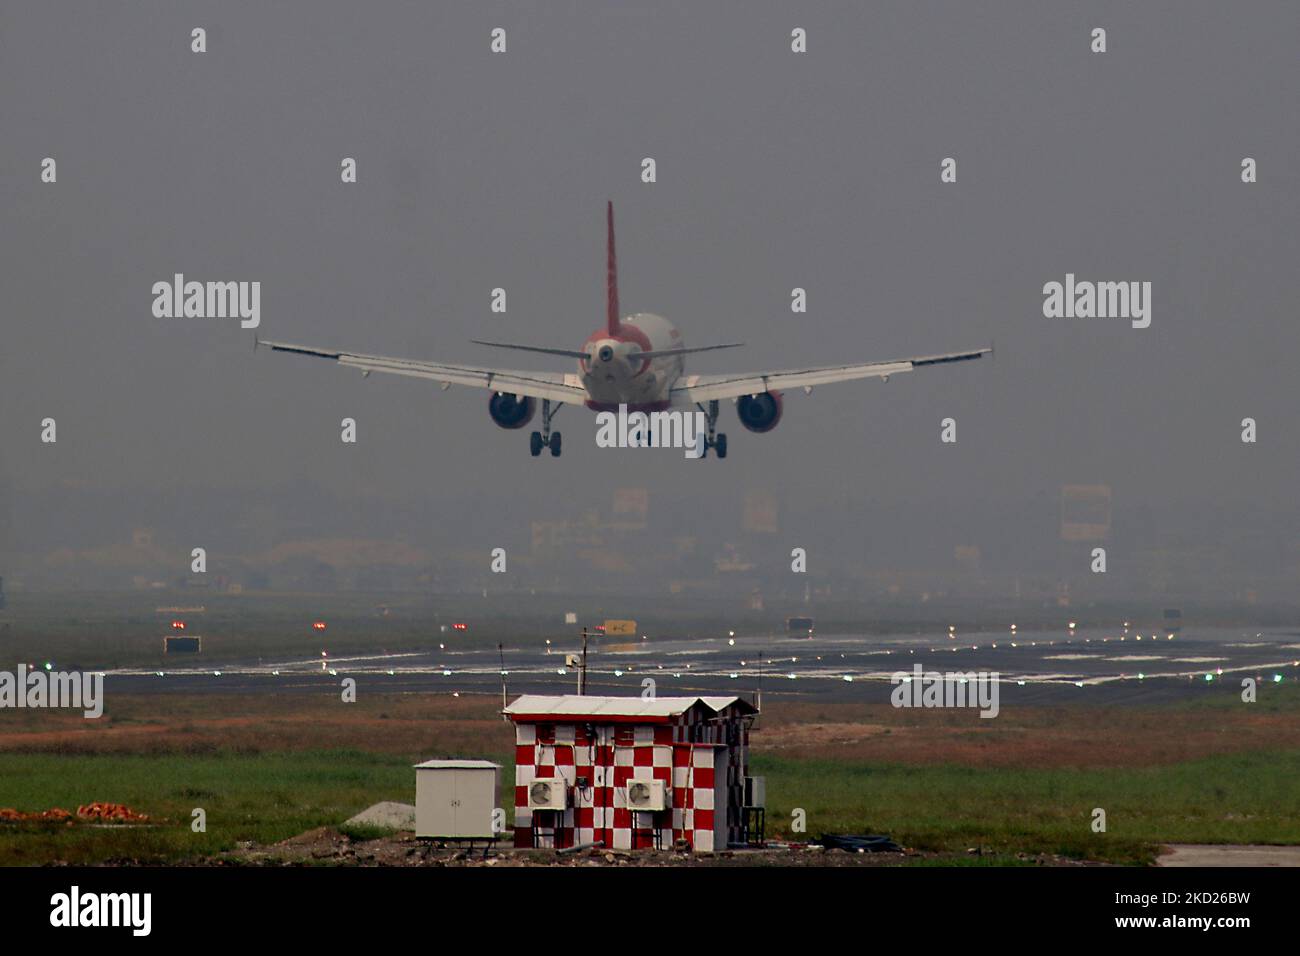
[(611, 278)]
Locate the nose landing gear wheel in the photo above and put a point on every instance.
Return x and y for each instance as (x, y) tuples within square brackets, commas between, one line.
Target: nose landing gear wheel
[(535, 444), (555, 444), (720, 445)]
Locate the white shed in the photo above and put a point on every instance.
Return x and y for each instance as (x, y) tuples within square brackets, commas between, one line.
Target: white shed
[(456, 799)]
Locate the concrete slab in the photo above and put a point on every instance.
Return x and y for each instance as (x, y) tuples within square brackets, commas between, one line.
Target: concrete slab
[(1202, 854)]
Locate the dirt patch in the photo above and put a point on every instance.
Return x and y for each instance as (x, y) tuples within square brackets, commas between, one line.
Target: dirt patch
[(420, 726), (1073, 736), (821, 735), (405, 724)]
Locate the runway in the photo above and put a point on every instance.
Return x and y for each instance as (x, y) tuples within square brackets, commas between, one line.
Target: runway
[(1094, 666)]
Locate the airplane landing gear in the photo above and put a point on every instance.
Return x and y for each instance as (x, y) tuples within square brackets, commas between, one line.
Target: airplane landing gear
[(718, 442), (545, 438)]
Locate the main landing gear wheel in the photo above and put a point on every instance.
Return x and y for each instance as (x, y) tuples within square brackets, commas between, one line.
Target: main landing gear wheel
[(712, 440), (546, 438)]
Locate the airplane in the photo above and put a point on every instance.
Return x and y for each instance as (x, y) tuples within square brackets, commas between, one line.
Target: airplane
[(634, 360)]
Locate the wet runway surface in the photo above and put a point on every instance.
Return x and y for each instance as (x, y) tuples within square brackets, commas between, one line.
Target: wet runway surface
[(1088, 666)]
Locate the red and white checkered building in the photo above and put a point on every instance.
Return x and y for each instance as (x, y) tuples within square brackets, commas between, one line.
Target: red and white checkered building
[(699, 746)]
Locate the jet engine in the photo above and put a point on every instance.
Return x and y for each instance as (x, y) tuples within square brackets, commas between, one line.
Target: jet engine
[(510, 411), (761, 412)]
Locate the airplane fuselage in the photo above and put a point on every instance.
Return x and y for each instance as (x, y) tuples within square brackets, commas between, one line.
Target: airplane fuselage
[(613, 373)]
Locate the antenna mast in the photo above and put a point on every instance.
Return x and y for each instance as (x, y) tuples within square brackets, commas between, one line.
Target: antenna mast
[(502, 653), (582, 667)]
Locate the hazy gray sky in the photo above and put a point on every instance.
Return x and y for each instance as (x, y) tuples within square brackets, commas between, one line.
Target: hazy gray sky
[(775, 170)]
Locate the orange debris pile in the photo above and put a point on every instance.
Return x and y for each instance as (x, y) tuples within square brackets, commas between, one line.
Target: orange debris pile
[(9, 815), (109, 812), (115, 812)]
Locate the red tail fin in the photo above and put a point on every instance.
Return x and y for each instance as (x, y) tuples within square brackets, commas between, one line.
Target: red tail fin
[(611, 280)]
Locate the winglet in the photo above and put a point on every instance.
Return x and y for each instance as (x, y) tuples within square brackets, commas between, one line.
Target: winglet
[(611, 277)]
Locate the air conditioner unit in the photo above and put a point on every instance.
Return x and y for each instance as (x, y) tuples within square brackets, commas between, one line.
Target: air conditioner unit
[(755, 792), (552, 794), (647, 795)]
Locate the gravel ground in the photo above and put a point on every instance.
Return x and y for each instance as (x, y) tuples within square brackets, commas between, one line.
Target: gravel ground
[(326, 845)]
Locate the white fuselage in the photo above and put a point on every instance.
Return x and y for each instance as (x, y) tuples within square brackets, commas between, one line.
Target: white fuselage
[(613, 374)]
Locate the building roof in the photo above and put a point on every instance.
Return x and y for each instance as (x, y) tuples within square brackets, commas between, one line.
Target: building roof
[(457, 765), (622, 709), (719, 704)]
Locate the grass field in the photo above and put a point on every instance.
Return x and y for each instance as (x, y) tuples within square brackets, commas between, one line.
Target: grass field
[(1208, 772), (260, 797), (1241, 799), (267, 797)]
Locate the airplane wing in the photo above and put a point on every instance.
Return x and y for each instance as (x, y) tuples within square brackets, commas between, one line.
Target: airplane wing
[(693, 389), (556, 386)]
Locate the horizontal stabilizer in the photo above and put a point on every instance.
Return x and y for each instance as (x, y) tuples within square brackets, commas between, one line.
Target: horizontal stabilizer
[(664, 353), (571, 353)]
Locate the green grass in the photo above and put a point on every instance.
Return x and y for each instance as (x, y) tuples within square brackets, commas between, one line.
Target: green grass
[(268, 797), (262, 797), (360, 832), (1246, 798)]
